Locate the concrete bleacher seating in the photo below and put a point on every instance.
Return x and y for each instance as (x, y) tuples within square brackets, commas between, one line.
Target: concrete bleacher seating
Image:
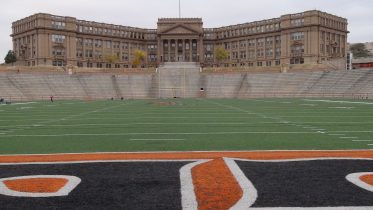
[(184, 80)]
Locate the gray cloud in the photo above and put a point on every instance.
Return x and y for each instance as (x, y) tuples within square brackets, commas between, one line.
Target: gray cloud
[(144, 13)]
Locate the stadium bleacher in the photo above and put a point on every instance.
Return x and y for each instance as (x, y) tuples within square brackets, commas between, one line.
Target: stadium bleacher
[(185, 80)]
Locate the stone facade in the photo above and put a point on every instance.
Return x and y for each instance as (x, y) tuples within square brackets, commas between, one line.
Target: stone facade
[(309, 37)]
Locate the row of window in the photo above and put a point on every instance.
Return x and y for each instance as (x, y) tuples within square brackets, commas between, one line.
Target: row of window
[(112, 44), (327, 36), (24, 26), (333, 23), (247, 31), (113, 32), (258, 64), (331, 50), (269, 41), (103, 65)]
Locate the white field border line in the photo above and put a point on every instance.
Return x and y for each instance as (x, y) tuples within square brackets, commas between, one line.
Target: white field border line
[(336, 134), (249, 193), (342, 102), (188, 196), (316, 208), (180, 152), (355, 179), (99, 161), (301, 159), (73, 181), (157, 139)]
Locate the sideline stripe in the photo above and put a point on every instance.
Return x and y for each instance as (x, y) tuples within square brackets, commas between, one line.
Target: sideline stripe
[(256, 155)]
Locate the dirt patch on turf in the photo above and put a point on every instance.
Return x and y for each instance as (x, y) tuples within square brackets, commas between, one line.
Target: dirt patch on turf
[(367, 179), (215, 186), (36, 185), (164, 103)]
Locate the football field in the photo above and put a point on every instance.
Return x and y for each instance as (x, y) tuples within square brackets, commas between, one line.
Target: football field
[(187, 154), (43, 127)]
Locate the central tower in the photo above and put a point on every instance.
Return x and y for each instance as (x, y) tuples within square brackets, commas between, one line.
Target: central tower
[(180, 39)]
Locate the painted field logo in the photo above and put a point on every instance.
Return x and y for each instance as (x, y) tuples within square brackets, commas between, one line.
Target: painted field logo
[(363, 180), (190, 180), (38, 186)]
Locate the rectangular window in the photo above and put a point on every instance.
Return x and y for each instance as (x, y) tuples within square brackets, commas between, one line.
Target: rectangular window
[(58, 63), (297, 49), (108, 44), (88, 54), (98, 43), (269, 41), (58, 38), (58, 52), (58, 25), (297, 22), (297, 36)]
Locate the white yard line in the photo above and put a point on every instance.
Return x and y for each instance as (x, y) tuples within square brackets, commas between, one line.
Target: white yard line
[(348, 137), (342, 102), (128, 134), (362, 140), (157, 139)]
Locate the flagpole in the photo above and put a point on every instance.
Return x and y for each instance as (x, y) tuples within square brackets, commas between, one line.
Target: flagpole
[(179, 9)]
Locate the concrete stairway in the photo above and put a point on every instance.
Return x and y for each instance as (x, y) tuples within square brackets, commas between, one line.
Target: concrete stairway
[(178, 80)]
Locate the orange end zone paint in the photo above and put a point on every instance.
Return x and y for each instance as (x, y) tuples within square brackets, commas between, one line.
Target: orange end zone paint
[(36, 185), (367, 179), (215, 186), (257, 155)]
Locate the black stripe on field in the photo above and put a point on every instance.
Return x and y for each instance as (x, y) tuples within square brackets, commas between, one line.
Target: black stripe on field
[(318, 183), (127, 185)]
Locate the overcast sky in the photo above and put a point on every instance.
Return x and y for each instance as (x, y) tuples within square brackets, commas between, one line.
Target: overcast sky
[(215, 13)]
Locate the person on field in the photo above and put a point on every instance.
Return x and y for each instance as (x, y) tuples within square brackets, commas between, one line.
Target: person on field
[(52, 99)]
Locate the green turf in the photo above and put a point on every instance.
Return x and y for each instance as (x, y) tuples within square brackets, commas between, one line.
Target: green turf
[(185, 125)]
